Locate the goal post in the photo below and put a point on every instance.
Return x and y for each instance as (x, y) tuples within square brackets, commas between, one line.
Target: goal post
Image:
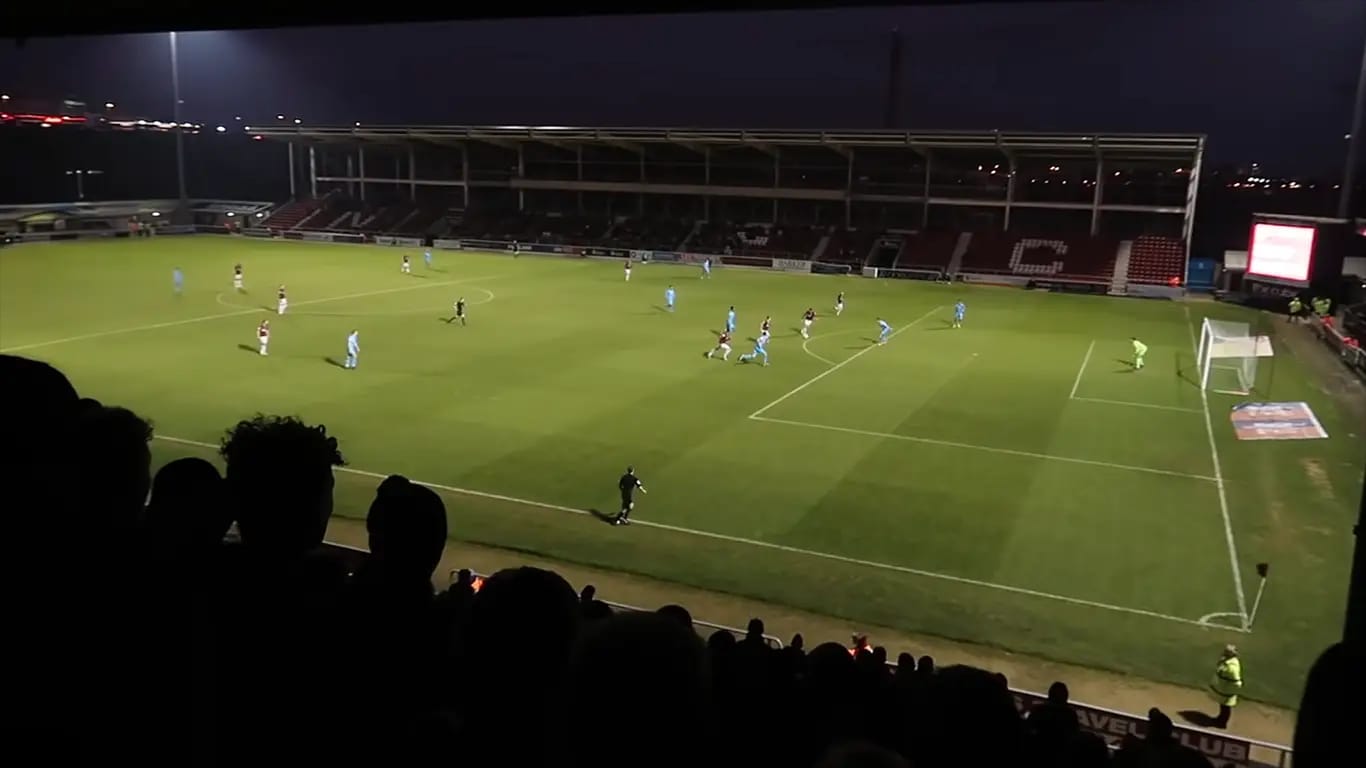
[(1228, 356)]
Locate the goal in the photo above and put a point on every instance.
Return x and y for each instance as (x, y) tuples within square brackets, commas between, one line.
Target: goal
[(1228, 356)]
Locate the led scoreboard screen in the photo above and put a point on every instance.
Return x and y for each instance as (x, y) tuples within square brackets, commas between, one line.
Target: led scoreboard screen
[(1281, 251)]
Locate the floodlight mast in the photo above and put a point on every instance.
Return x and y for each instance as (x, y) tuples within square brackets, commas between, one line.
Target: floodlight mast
[(175, 115)]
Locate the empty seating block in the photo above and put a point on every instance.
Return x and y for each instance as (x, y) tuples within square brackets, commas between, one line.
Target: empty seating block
[(1157, 259), (1073, 257)]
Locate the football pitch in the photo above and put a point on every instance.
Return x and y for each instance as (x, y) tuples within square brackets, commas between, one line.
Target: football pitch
[(1013, 482)]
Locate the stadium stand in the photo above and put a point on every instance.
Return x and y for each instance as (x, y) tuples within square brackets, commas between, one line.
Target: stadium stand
[(1156, 259), (1075, 257), (235, 626), (850, 246), (292, 214), (771, 240), (927, 250)]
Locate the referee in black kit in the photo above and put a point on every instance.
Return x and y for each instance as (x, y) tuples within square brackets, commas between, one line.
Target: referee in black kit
[(628, 485)]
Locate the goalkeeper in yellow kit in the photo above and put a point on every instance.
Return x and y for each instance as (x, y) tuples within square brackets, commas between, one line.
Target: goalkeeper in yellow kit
[(1140, 349)]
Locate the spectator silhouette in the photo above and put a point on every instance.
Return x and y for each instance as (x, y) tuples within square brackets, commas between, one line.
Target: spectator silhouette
[(647, 675), (1052, 724), (279, 479), (861, 754), (678, 613), (972, 706), (187, 516), (407, 532), (111, 463), (281, 614), (1158, 748), (522, 628), (393, 615), (1331, 708)]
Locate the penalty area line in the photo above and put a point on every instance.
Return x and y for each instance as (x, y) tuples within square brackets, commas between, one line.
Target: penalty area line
[(840, 364), (457, 491)]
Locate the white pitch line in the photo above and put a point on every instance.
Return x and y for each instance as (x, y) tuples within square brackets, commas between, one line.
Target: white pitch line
[(840, 364), (1082, 370), (450, 489), (1219, 483), (822, 336), (204, 318), (1138, 405), (985, 448)]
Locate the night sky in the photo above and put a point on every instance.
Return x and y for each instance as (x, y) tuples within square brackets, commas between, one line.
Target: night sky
[(1270, 81)]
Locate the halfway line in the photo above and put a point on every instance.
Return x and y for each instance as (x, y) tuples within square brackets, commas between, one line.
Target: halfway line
[(987, 448), (776, 547), (203, 318)]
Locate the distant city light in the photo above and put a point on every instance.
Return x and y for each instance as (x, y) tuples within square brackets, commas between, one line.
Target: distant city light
[(279, 117), (221, 129), (238, 118), (230, 214), (4, 97), (156, 213), (246, 127), (357, 123), (109, 105), (297, 121)]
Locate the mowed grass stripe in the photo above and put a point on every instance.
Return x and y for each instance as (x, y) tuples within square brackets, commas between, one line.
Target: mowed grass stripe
[(449, 489)]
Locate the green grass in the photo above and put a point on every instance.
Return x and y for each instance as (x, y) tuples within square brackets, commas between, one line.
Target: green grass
[(945, 483)]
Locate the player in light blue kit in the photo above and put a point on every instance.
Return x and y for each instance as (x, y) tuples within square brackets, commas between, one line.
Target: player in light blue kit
[(886, 332), (427, 257), (352, 349), (959, 310), (178, 280), (706, 268), (669, 297), (760, 350), (730, 320)]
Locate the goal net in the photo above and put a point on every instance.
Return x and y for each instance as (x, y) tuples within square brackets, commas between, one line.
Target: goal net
[(1228, 356)]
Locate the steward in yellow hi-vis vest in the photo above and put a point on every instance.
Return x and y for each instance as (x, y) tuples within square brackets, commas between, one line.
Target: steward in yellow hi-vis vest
[(1226, 684)]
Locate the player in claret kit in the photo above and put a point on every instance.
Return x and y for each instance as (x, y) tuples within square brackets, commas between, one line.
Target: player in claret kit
[(281, 301), (766, 326), (459, 311), (808, 318), (263, 336), (407, 267), (237, 278), (628, 269), (839, 304), (722, 346)]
